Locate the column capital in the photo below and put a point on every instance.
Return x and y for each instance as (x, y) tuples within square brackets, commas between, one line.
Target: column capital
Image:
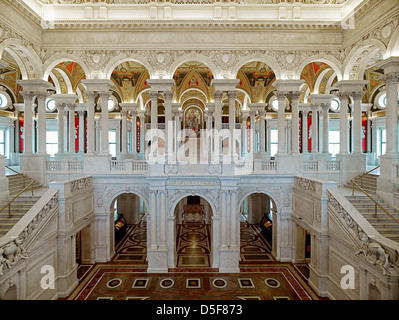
[(295, 95), (168, 94), (358, 95), (81, 113), (391, 78), (218, 94), (153, 94), (27, 95), (232, 94)]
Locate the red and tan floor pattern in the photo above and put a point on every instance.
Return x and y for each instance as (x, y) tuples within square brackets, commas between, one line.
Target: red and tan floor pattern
[(255, 250), (260, 277), (277, 282), (132, 249), (193, 245)]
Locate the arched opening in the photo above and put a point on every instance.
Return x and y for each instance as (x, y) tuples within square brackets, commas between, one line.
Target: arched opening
[(319, 79), (66, 77), (129, 229), (257, 236), (193, 227), (129, 84), (193, 90)]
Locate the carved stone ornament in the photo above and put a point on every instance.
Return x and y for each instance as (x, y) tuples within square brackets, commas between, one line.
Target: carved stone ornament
[(81, 184), (305, 184), (13, 251), (372, 251)]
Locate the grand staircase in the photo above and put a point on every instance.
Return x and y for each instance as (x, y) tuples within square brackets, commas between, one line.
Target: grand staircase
[(383, 223), (21, 205)]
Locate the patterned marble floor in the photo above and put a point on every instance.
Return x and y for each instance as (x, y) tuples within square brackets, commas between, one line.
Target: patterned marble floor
[(277, 282), (260, 277)]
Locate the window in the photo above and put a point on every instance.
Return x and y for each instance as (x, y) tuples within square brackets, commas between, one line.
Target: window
[(111, 104), (3, 134), (112, 142), (50, 105), (51, 142), (333, 142), (335, 104), (275, 105), (3, 101), (273, 142), (382, 142), (382, 101)]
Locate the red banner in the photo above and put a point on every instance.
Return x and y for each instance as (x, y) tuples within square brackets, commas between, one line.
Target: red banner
[(138, 134), (364, 134), (77, 129), (21, 134), (300, 135), (309, 134), (248, 135)]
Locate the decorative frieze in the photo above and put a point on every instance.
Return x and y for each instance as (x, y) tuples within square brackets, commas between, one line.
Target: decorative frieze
[(78, 185), (305, 184)]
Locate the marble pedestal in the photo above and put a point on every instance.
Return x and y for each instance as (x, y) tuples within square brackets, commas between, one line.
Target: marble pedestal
[(34, 166), (229, 260), (157, 260), (387, 182), (351, 166), (97, 163), (289, 163)]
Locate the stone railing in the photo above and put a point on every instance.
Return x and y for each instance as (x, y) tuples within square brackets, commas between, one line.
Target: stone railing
[(310, 166), (65, 165), (128, 166), (13, 244), (196, 2), (373, 247)]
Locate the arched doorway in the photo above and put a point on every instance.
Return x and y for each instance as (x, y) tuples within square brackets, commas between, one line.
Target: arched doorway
[(129, 229), (258, 211), (193, 229)]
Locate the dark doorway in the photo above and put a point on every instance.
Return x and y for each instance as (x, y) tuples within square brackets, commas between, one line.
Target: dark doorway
[(193, 200)]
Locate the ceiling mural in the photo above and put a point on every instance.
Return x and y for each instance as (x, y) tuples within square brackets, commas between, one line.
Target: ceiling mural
[(130, 78), (10, 73), (311, 72), (256, 79), (193, 75)]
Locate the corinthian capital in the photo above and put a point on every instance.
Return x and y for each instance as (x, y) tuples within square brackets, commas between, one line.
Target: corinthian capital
[(358, 95), (391, 78), (154, 95), (27, 95), (218, 95), (168, 95), (232, 94)]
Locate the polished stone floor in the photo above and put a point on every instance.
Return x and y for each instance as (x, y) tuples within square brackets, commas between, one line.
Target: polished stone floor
[(260, 277)]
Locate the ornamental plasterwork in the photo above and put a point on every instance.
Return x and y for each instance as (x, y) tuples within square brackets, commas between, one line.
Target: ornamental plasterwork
[(305, 184), (372, 251)]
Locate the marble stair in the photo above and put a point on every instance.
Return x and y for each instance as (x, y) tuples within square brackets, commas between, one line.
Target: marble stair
[(21, 205), (383, 223)]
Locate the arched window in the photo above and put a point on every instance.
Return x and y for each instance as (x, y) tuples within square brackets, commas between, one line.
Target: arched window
[(3, 101), (335, 105), (50, 105)]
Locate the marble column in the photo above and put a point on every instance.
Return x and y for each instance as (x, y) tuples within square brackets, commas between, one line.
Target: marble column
[(71, 109), (98, 135), (168, 124), (315, 129), (262, 114), (90, 122), (343, 122), (154, 109), (60, 127), (218, 122), (233, 219), (41, 99), (28, 115), (133, 145), (281, 97), (141, 115), (305, 113), (253, 131), (357, 121), (153, 220), (326, 128), (391, 83), (223, 224), (232, 119), (295, 122), (81, 131), (104, 97), (244, 144), (124, 132), (268, 136)]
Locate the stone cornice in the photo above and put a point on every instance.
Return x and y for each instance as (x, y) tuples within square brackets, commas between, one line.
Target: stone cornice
[(194, 24), (24, 10)]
